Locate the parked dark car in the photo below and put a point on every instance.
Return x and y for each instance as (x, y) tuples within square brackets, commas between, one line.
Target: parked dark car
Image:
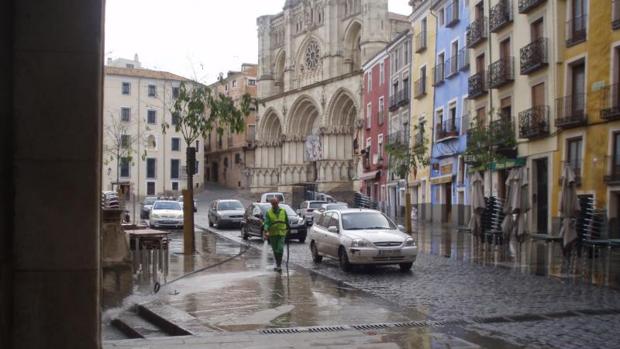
[(252, 222), (147, 204)]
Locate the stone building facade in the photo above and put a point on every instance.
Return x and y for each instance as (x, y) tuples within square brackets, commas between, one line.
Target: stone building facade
[(310, 79), (229, 157), (136, 102)]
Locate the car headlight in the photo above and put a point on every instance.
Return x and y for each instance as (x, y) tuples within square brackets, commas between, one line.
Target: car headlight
[(360, 243), (300, 220), (410, 242), (154, 215)]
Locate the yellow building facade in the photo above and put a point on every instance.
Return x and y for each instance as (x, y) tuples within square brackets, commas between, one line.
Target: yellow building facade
[(424, 34), (587, 112)]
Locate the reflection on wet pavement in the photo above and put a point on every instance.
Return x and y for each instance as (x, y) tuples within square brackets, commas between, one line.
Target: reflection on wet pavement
[(239, 289)]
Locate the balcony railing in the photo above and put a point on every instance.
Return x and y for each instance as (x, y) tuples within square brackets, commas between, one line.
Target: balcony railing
[(615, 15), (610, 108), (452, 13), (438, 74), (446, 129), (534, 122), (613, 169), (503, 136), (501, 15), (501, 72), (419, 87), (527, 5), (571, 111), (576, 30), (399, 137), (534, 56), (451, 66), (420, 41), (399, 99), (418, 140), (477, 85), (463, 59), (477, 32)]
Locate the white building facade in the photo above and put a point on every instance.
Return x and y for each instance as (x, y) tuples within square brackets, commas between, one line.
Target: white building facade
[(310, 77), (136, 103)]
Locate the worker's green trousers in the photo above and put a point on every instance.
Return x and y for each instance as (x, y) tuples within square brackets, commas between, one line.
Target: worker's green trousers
[(277, 245)]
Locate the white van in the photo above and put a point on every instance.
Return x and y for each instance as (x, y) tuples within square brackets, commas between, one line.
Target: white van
[(267, 197)]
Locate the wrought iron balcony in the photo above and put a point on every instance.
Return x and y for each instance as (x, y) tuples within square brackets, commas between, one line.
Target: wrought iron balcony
[(613, 169), (501, 72), (419, 88), (477, 85), (452, 13), (534, 122), (418, 141), (446, 129), (576, 30), (528, 5), (477, 32), (420, 41), (400, 137), (405, 96), (438, 74), (611, 103), (451, 67), (399, 99), (571, 111), (501, 15), (534, 56), (463, 59), (394, 101), (615, 15)]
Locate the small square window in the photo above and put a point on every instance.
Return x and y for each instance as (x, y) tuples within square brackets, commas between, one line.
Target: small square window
[(125, 114), (126, 88), (234, 83), (152, 90), (175, 186), (175, 119), (125, 167), (252, 82), (150, 188), (125, 140), (237, 158), (175, 92), (151, 117)]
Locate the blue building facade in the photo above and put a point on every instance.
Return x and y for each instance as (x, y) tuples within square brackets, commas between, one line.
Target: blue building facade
[(449, 194)]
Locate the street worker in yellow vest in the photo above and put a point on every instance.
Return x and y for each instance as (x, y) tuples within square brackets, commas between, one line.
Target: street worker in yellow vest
[(276, 227)]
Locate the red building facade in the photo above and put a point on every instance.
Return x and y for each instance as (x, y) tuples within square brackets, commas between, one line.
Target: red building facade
[(375, 99)]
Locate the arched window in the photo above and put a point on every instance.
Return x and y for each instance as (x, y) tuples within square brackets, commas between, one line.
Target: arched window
[(151, 142)]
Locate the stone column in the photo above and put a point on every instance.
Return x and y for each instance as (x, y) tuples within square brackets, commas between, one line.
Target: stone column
[(51, 134)]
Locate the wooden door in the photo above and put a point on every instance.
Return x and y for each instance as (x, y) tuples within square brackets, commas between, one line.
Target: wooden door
[(504, 50), (480, 64), (578, 89), (537, 30), (538, 95)]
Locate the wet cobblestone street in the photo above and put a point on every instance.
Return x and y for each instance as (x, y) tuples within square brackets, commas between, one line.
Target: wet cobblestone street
[(520, 307)]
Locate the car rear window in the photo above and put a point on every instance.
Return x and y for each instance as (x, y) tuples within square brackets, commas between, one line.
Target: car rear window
[(316, 204), (168, 205)]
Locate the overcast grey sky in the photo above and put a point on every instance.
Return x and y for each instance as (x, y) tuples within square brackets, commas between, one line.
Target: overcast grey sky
[(192, 38)]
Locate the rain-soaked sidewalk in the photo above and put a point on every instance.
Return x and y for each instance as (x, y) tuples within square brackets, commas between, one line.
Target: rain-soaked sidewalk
[(242, 303)]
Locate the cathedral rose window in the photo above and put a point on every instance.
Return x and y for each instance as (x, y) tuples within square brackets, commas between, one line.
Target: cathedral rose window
[(312, 55)]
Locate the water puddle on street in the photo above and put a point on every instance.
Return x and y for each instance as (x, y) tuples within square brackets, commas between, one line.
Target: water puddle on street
[(246, 294)]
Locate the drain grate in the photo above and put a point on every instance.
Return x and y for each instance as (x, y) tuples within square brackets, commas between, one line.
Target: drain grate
[(280, 331), (326, 329), (371, 326)]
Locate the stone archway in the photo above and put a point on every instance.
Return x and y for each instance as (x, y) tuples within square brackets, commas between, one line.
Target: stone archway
[(301, 148), (268, 154), (337, 138), (352, 40)]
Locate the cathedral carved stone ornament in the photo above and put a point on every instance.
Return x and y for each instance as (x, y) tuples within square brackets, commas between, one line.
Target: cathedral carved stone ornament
[(269, 143), (337, 130), (313, 55)]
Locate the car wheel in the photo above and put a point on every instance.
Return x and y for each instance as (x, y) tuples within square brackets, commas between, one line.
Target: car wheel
[(244, 233), (344, 260), (210, 222), (316, 257), (302, 240), (404, 267)]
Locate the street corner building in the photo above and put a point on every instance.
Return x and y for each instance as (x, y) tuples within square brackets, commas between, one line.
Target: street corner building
[(310, 129), (139, 159)]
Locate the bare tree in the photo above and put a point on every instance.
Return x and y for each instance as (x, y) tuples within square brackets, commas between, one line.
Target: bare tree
[(120, 143)]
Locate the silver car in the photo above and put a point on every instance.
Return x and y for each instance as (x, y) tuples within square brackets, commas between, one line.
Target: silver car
[(225, 213), (361, 236), (166, 213)]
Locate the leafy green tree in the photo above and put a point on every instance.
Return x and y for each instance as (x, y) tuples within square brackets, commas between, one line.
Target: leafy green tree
[(490, 142), (406, 159), (196, 112)]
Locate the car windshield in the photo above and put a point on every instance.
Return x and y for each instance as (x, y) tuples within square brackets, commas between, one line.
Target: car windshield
[(316, 204), (366, 220), (149, 201), (229, 206), (335, 207), (166, 205), (268, 198)]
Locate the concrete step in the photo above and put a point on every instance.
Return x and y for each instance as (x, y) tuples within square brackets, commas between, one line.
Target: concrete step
[(172, 320), (134, 326)]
